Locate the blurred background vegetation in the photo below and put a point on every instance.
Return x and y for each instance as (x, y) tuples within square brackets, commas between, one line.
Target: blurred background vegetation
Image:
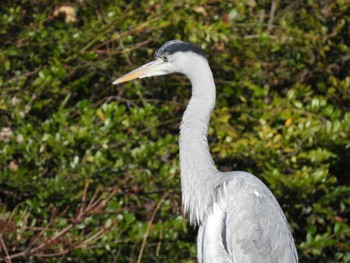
[(89, 172)]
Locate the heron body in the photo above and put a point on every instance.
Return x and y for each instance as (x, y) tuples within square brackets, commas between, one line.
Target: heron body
[(239, 218)]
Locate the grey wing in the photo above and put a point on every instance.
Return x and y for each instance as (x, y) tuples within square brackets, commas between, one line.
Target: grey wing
[(254, 228)]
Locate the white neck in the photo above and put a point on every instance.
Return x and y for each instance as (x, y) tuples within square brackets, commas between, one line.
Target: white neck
[(197, 166)]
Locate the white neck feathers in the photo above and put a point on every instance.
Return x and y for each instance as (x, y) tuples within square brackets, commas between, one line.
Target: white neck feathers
[(197, 166)]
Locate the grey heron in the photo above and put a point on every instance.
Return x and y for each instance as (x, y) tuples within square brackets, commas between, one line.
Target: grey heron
[(239, 218)]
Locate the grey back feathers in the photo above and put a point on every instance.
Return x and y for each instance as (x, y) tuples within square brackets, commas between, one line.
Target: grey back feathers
[(174, 46)]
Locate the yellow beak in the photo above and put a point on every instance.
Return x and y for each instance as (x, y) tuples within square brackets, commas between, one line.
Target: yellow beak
[(147, 70)]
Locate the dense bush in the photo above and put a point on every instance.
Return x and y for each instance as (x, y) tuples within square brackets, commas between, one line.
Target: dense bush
[(90, 171)]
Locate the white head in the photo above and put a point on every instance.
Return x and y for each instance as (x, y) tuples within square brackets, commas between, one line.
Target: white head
[(174, 56)]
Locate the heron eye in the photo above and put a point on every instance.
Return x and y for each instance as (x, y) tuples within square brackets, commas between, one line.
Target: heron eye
[(165, 59)]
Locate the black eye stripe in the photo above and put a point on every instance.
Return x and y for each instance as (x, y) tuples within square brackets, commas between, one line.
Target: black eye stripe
[(165, 59)]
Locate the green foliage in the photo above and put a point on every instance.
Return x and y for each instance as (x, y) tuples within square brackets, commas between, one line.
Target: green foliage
[(90, 172)]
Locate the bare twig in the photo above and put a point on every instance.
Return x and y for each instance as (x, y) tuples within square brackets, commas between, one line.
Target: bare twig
[(96, 205), (159, 242), (121, 51), (3, 245), (272, 15), (258, 36), (51, 240), (92, 201), (148, 230), (83, 199), (95, 236), (38, 236)]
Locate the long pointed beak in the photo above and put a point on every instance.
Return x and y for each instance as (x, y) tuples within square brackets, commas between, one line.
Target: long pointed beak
[(147, 70)]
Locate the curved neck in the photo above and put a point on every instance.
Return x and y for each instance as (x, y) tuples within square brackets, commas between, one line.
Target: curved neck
[(197, 166)]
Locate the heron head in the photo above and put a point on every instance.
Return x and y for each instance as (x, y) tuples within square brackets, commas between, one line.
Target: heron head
[(174, 56)]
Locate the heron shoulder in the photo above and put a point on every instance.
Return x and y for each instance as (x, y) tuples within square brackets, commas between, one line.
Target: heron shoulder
[(238, 182)]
